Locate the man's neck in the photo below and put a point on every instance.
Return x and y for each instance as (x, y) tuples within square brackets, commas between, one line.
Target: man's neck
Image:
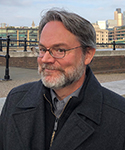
[(64, 92)]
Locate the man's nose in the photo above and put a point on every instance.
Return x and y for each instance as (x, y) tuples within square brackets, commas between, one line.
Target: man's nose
[(47, 58)]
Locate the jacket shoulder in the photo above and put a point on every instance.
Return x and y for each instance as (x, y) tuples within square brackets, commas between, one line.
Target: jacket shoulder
[(17, 93), (23, 88)]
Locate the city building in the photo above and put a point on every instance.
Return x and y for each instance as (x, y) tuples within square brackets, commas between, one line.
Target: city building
[(101, 34), (106, 31), (33, 24), (102, 24), (3, 25), (117, 34), (118, 16), (123, 17), (118, 10), (31, 34), (111, 24)]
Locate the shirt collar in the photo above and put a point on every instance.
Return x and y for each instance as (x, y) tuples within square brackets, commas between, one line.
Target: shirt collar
[(75, 93)]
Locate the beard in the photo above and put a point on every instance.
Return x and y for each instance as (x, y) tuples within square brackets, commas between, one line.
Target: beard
[(64, 78)]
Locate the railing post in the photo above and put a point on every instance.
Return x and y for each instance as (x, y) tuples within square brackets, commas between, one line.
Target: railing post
[(25, 46), (114, 45), (7, 77), (1, 44)]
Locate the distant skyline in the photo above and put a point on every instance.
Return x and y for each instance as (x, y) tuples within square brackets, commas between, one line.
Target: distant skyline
[(24, 12)]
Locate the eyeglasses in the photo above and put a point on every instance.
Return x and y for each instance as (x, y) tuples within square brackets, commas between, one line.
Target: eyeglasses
[(55, 52)]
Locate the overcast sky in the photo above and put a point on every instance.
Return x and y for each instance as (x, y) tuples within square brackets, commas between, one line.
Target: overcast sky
[(23, 12)]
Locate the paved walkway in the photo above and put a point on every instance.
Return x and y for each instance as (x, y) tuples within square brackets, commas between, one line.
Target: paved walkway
[(116, 86), (114, 82)]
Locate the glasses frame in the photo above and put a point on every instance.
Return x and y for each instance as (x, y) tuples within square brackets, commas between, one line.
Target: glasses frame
[(50, 52)]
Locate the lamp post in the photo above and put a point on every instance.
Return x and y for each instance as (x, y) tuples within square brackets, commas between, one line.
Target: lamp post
[(7, 56)]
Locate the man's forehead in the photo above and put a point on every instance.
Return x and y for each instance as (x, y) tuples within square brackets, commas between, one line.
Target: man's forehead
[(55, 45), (54, 32)]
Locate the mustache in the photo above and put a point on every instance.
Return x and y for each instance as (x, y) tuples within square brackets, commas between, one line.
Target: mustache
[(51, 67)]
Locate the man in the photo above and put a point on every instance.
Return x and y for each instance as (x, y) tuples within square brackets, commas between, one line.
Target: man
[(67, 109)]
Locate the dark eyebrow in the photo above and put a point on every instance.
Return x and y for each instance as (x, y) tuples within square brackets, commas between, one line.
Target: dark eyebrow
[(41, 45)]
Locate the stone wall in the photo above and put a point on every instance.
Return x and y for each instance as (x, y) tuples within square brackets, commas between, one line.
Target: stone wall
[(108, 64)]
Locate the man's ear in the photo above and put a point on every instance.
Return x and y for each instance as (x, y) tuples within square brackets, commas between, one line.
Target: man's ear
[(89, 55)]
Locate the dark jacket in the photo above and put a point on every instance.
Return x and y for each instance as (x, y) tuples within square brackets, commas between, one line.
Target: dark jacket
[(98, 123)]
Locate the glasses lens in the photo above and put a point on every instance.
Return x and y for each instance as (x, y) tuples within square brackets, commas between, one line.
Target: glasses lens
[(57, 52)]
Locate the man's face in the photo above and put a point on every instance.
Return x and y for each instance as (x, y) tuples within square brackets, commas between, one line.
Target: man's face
[(57, 73)]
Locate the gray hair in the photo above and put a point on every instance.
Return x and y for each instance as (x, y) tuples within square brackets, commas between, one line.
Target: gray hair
[(80, 27)]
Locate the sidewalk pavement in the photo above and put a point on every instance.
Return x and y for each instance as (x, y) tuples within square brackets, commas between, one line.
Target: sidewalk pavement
[(116, 86), (114, 82)]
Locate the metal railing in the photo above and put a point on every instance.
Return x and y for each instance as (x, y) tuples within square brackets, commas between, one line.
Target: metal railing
[(114, 44), (18, 44), (7, 56), (25, 43)]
